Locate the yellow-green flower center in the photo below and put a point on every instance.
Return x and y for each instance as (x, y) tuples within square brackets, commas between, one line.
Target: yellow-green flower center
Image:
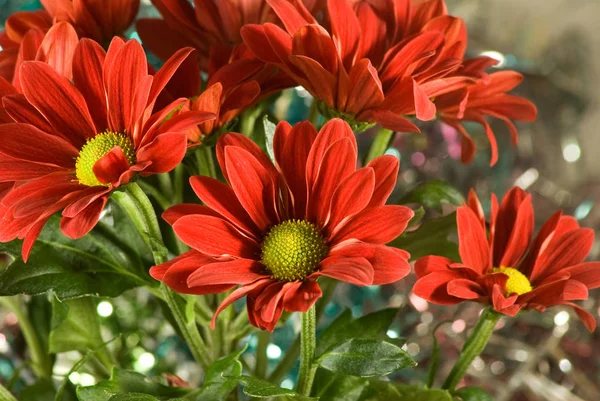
[(293, 249), (517, 282), (96, 148)]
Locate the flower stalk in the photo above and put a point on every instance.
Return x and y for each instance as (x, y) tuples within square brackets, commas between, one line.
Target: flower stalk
[(380, 144), (308, 341), (474, 345), (5, 395)]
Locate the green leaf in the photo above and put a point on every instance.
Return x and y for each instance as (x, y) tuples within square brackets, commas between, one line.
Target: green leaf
[(221, 377), (123, 381), (42, 390), (133, 397), (366, 358), (96, 264), (75, 326), (379, 390), (269, 128), (330, 386), (433, 195), (430, 239), (473, 394), (373, 325), (254, 387), (417, 218)]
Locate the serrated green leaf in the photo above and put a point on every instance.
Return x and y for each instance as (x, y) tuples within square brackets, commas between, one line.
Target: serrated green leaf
[(379, 390), (133, 397), (430, 239), (366, 358), (269, 128), (473, 394), (254, 387), (372, 325), (122, 382), (433, 195), (330, 386), (75, 326), (434, 363), (220, 379), (96, 264)]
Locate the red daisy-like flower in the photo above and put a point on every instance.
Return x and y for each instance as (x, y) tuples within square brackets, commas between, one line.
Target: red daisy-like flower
[(504, 267), (99, 20), (371, 61), (71, 144), (486, 98), (276, 228)]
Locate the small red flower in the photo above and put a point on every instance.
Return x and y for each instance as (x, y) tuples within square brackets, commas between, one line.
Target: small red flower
[(71, 144), (276, 228), (486, 98), (99, 20), (504, 267)]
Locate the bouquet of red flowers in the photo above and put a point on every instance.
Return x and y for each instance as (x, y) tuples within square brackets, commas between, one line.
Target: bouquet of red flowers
[(178, 180)]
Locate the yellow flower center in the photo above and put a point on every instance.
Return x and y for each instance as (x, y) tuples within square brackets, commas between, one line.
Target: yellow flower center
[(96, 148), (517, 282), (293, 249)]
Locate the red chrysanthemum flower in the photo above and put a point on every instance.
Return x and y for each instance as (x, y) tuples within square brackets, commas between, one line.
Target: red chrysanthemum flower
[(486, 98), (17, 26), (71, 144), (371, 61), (276, 228), (99, 20), (504, 267)]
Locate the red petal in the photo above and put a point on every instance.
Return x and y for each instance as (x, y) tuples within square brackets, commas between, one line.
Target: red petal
[(162, 77), (378, 225), (465, 289), (21, 111), (214, 236), (520, 236), (386, 173), (293, 18), (163, 162), (587, 318), (357, 271), (431, 264), (587, 273), (174, 213), (252, 185), (392, 121), (58, 47), (240, 293), (351, 196), (433, 288), (345, 29), (88, 63), (472, 241), (59, 101), (78, 226), (504, 305), (302, 296), (109, 167), (222, 199), (238, 271)]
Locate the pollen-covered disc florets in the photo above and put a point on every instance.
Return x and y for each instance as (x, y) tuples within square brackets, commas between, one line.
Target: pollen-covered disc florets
[(293, 249), (517, 282), (94, 149)]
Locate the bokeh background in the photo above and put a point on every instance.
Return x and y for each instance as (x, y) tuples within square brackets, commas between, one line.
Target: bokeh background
[(556, 45)]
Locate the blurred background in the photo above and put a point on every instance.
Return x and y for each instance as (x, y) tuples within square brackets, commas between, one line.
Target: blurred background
[(556, 45)]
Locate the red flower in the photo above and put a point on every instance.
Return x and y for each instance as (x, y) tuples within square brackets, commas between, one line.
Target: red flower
[(99, 20), (275, 229), (212, 27), (505, 268), (371, 61), (17, 26), (70, 144), (487, 98)]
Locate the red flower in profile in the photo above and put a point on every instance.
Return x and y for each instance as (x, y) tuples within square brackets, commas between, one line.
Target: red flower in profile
[(71, 144), (276, 228), (99, 20), (372, 62), (486, 98), (504, 267)]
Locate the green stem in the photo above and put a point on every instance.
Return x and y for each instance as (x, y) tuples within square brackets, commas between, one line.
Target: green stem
[(5, 395), (474, 345), (308, 340), (264, 338), (206, 161), (40, 361), (313, 112), (380, 144), (139, 208), (291, 355), (156, 194)]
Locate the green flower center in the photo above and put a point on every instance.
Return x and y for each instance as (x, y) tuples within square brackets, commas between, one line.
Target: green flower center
[(517, 282), (96, 148), (293, 249)]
